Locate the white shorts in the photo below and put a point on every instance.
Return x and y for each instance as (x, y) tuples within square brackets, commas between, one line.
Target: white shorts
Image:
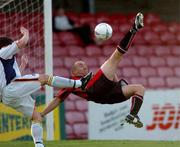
[(17, 94)]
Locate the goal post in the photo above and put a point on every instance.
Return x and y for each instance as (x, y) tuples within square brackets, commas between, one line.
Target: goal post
[(48, 63)]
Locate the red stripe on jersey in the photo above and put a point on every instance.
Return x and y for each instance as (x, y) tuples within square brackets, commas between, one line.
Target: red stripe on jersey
[(22, 80), (94, 79), (63, 93)]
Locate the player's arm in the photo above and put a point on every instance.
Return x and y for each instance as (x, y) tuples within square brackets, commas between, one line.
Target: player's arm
[(61, 96), (24, 62), (22, 42), (7, 52), (53, 104)]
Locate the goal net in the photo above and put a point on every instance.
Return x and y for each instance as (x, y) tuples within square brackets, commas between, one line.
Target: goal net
[(29, 14)]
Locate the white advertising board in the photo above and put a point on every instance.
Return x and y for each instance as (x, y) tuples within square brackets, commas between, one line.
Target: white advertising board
[(160, 114)]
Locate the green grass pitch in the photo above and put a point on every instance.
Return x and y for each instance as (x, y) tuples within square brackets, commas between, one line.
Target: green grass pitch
[(102, 143)]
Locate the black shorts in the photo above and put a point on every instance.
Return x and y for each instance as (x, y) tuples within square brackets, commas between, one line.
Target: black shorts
[(104, 91)]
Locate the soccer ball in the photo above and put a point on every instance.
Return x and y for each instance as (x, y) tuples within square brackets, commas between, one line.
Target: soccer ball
[(103, 31)]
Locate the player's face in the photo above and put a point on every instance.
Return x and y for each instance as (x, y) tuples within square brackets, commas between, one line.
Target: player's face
[(81, 68)]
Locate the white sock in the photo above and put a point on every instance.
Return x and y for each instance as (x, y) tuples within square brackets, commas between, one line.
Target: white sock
[(61, 82), (37, 132)]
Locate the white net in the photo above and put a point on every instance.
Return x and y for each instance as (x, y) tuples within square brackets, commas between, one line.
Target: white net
[(27, 13)]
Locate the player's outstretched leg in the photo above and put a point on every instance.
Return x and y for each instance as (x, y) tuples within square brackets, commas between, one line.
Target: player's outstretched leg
[(110, 67), (128, 38), (61, 82), (137, 100)]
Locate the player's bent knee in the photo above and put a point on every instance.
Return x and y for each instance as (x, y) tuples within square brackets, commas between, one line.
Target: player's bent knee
[(9, 92), (140, 89)]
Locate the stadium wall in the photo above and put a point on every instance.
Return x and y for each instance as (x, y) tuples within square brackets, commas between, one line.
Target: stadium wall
[(161, 117)]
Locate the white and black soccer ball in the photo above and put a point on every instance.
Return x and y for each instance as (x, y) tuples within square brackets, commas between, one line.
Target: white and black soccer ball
[(103, 31)]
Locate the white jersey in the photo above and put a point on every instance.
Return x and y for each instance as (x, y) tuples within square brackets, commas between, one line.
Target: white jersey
[(9, 69)]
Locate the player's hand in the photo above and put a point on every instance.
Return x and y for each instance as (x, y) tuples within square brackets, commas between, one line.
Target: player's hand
[(22, 42), (24, 31)]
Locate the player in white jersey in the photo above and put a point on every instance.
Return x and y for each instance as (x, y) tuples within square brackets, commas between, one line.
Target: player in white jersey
[(15, 90)]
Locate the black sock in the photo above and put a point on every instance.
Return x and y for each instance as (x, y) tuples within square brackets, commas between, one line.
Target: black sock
[(137, 101), (126, 41)]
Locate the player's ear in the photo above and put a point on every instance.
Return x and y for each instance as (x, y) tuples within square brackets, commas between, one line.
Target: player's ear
[(73, 72)]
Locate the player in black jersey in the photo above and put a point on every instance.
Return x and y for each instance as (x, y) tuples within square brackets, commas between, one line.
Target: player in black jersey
[(105, 87)]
